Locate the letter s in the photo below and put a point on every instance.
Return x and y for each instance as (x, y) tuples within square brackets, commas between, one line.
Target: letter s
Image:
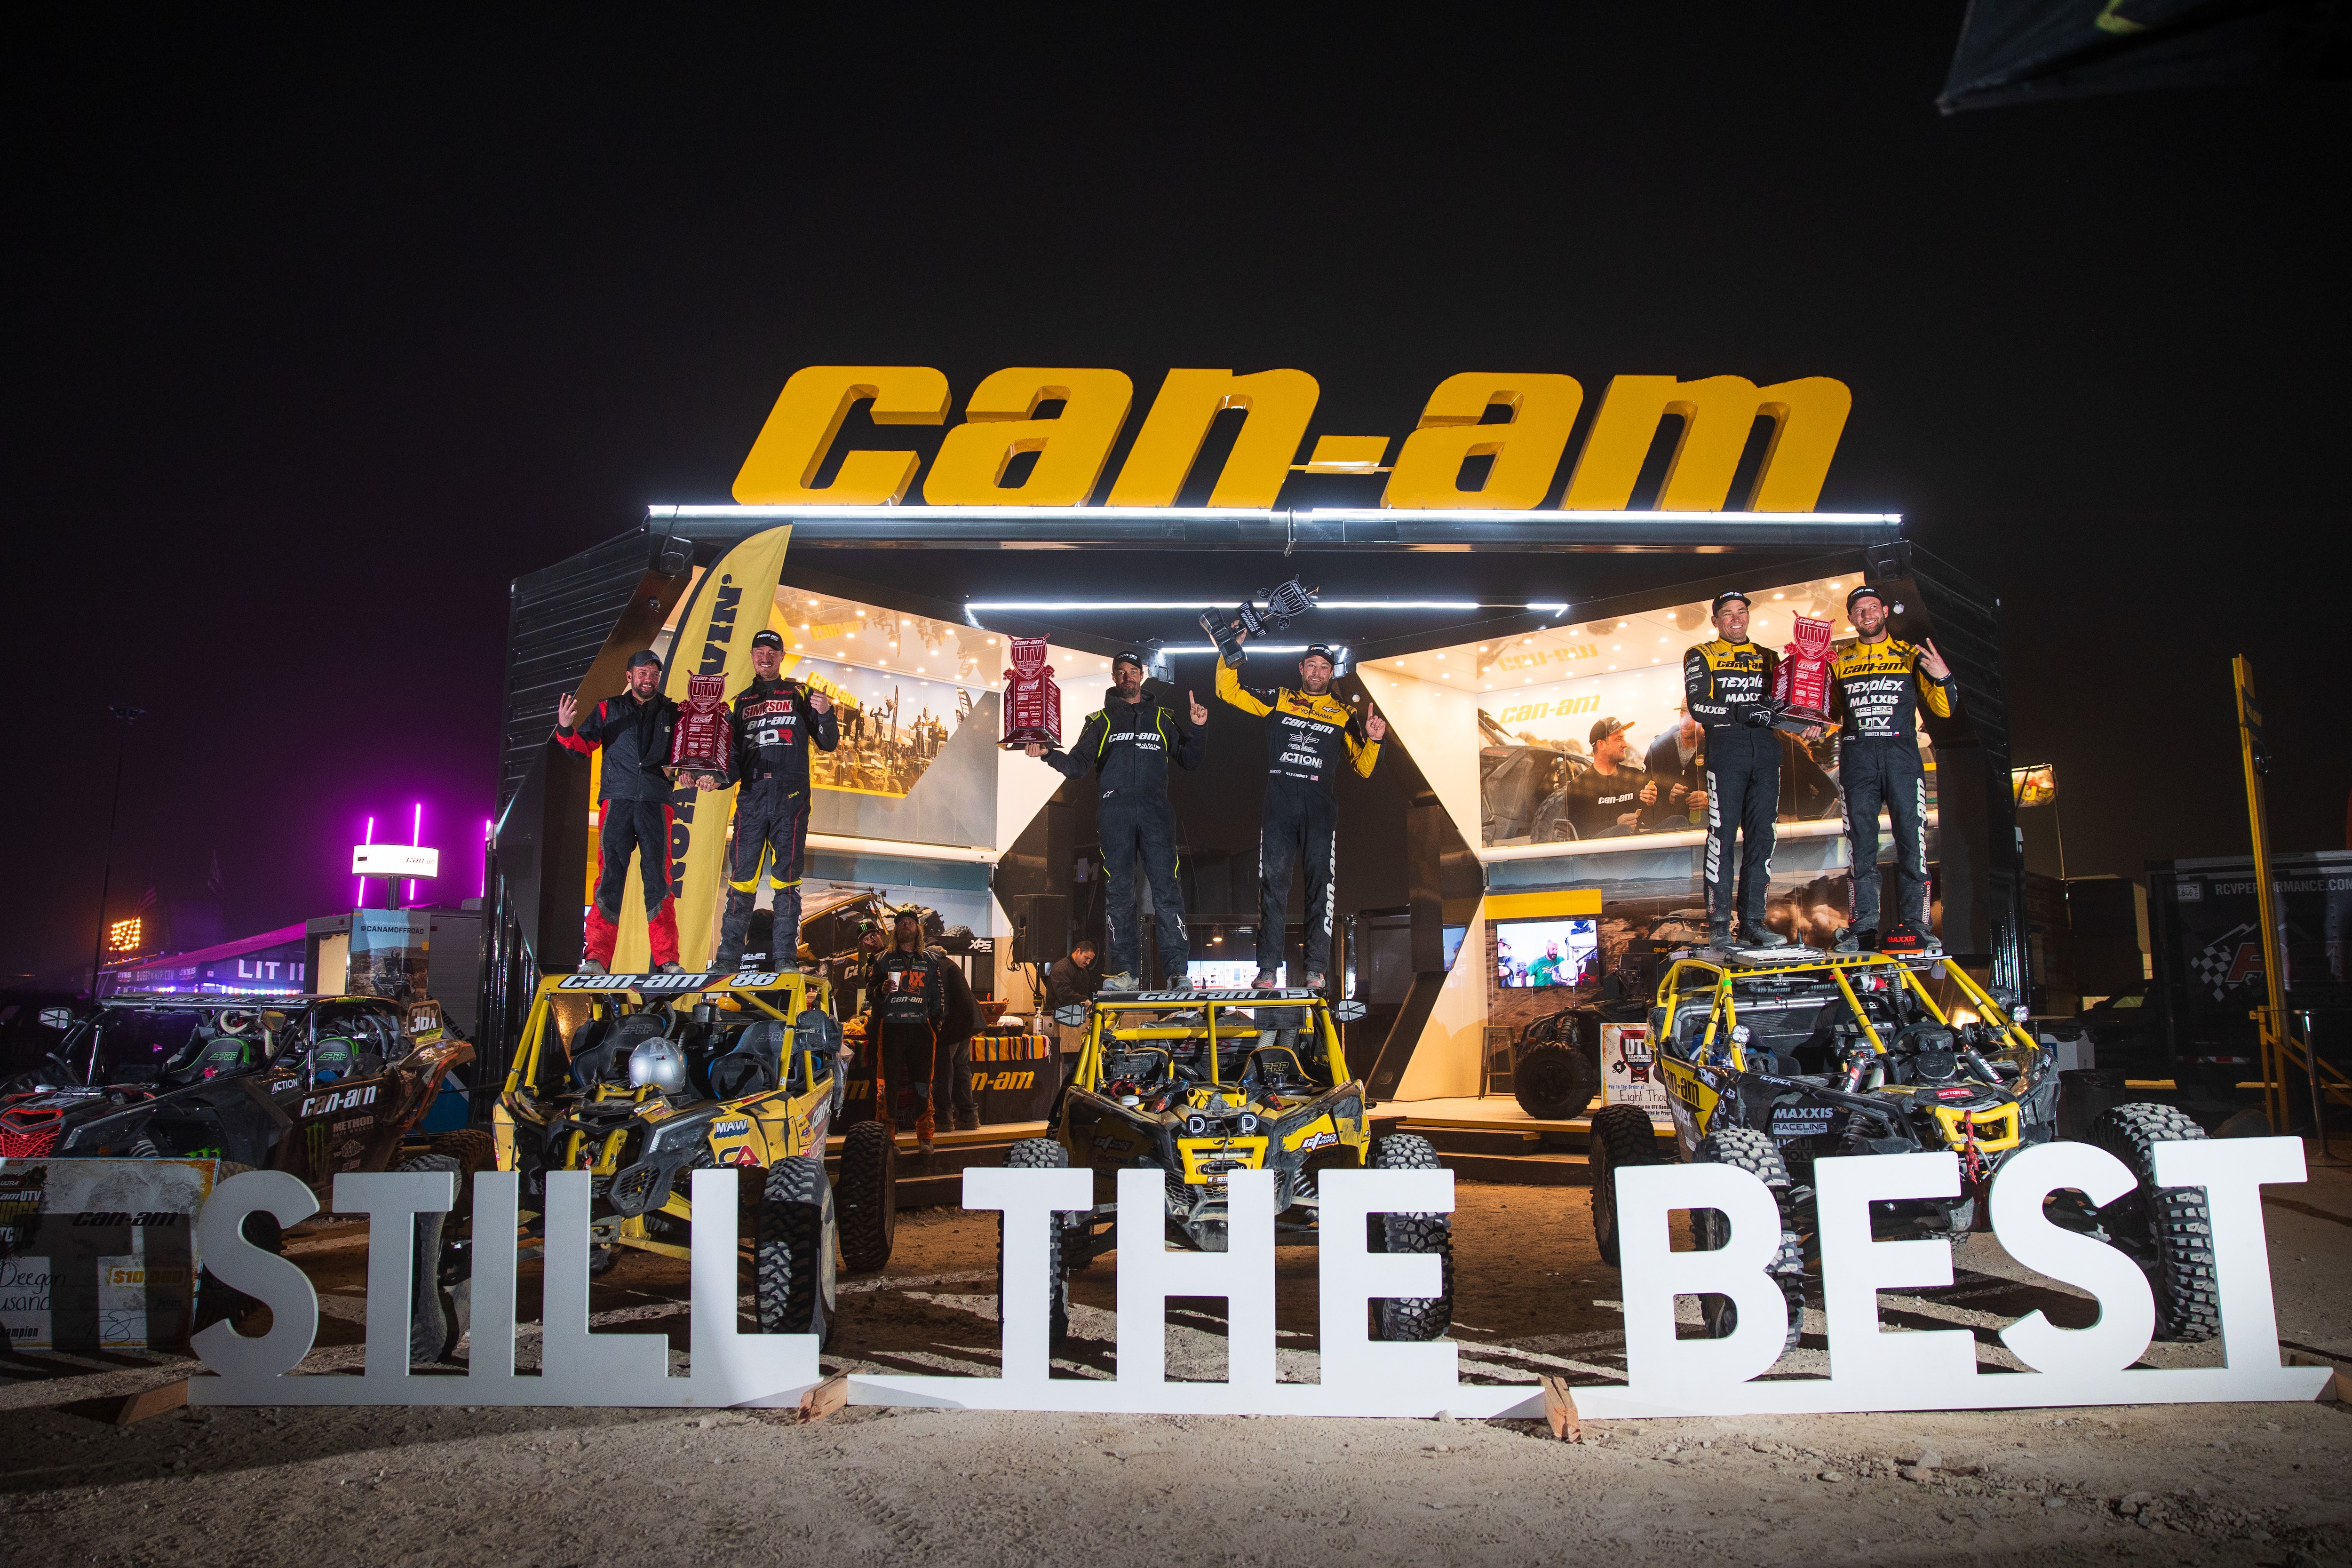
[(236, 1262), (2127, 1307)]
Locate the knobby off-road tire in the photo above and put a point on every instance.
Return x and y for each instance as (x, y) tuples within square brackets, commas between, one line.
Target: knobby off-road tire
[(434, 1318), (1412, 1316), (1553, 1081), (2168, 1230), (869, 1196), (476, 1149), (1043, 1155), (1756, 1153), (1620, 1137), (793, 1255)]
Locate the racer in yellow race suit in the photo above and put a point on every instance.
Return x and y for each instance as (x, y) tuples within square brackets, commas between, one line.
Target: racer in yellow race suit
[(1876, 686)]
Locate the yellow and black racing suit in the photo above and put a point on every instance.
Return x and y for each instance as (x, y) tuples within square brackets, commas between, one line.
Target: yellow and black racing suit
[(1729, 687), (1876, 690), (1308, 739)]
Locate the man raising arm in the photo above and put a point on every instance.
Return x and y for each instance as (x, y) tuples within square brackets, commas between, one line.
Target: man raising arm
[(776, 722), (1877, 688), (1309, 735)]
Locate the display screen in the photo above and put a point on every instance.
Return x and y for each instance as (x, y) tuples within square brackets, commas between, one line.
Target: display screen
[(1539, 954), (1224, 975)]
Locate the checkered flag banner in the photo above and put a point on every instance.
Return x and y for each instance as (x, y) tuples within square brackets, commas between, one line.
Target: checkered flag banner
[(2212, 965)]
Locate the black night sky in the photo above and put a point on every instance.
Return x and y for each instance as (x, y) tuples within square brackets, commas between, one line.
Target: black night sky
[(321, 331)]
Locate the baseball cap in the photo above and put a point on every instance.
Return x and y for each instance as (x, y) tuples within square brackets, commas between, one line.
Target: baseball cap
[(1725, 597), (1129, 656), (1321, 650), (643, 656), (768, 640), (1862, 590), (1608, 727)]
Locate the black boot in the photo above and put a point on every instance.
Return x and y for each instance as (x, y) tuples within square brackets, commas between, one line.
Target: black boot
[(1847, 941), (1759, 934), (732, 929)]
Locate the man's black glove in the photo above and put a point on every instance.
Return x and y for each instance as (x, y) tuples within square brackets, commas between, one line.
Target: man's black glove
[(1760, 717)]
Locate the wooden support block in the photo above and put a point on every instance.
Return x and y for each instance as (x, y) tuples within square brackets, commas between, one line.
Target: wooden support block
[(1559, 1409), (2337, 1388), (825, 1398), (154, 1401)]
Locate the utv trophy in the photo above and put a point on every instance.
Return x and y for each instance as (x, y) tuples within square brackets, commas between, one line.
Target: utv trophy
[(1282, 606), (704, 740), (1033, 703), (1801, 682)]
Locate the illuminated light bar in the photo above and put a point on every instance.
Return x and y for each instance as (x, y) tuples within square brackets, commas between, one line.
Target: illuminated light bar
[(394, 861), (1083, 604)]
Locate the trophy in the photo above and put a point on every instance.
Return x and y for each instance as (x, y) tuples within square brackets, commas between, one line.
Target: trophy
[(1282, 606), (1801, 682), (704, 739), (1033, 703)]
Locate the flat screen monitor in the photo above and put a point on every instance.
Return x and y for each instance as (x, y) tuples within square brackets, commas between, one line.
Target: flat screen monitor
[(1222, 973), (1542, 954)]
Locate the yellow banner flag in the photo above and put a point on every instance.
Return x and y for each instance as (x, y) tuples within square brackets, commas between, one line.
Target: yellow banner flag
[(733, 600)]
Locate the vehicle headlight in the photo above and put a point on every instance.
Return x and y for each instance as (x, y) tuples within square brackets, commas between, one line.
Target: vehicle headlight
[(679, 1132)]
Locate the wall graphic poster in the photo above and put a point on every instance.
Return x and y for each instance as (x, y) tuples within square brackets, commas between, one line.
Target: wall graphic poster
[(1628, 1076)]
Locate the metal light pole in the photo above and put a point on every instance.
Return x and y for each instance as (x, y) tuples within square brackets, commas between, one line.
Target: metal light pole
[(106, 881)]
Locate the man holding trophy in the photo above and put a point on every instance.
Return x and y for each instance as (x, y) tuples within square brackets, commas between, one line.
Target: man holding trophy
[(1876, 686), (635, 730), (775, 723), (1309, 735), (1129, 744)]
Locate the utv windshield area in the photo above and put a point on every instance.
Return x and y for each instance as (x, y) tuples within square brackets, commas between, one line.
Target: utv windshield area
[(135, 1045), (1277, 1042)]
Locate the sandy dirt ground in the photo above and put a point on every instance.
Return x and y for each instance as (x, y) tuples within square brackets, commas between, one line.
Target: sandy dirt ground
[(2223, 1484)]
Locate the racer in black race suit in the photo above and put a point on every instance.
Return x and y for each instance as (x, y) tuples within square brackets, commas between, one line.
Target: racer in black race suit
[(776, 721), (1877, 686), (633, 730), (1309, 735), (1128, 744), (1728, 687), (906, 1007)]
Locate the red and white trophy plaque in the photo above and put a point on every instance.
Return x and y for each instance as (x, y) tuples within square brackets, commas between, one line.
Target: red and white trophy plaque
[(1801, 682), (1033, 703), (706, 731)]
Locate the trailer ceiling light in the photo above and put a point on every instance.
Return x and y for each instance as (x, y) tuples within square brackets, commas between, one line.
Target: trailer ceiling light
[(1080, 606)]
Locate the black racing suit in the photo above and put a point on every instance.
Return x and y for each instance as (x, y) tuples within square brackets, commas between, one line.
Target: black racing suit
[(1128, 744), (1876, 690), (906, 1007), (774, 727), (633, 815), (1308, 739), (1728, 689)]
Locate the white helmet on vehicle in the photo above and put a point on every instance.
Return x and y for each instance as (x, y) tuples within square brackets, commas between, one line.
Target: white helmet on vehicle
[(657, 1062)]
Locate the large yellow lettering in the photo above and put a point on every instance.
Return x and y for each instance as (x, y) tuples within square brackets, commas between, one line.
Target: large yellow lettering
[(1525, 450), (1279, 403), (1808, 416), (806, 418), (1071, 450)]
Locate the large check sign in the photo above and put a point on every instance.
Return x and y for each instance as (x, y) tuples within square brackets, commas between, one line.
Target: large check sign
[(1869, 1370)]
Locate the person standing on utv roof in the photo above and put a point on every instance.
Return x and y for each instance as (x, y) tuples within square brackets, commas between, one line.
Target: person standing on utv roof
[(1728, 686), (1128, 744), (1875, 687), (1309, 734), (633, 730), (906, 1007), (776, 721)]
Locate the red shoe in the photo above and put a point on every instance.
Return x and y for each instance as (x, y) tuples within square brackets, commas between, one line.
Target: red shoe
[(601, 934)]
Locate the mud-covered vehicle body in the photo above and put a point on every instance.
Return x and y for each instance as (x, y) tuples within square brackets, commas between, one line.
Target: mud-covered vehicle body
[(311, 1085), (316, 1087), (1198, 1084), (1775, 1058), (755, 1083)]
